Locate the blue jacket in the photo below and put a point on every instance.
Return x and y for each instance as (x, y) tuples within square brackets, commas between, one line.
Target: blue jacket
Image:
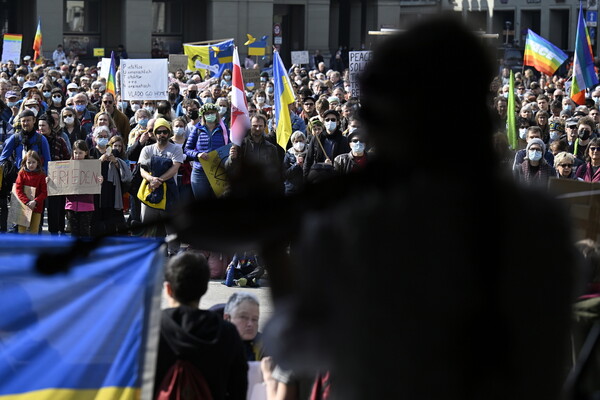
[(201, 141), (13, 144)]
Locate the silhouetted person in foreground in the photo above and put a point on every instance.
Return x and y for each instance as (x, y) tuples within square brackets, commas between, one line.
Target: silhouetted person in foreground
[(429, 280)]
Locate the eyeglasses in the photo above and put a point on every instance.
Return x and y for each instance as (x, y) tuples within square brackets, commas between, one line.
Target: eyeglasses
[(593, 148), (161, 132), (566, 165), (331, 119), (356, 141), (107, 101), (309, 104)]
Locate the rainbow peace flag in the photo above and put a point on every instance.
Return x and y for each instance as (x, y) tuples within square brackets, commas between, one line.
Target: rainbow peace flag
[(112, 73), (542, 55), (284, 96), (584, 74), (37, 44), (10, 37)]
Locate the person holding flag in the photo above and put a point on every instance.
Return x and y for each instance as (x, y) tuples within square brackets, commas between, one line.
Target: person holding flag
[(584, 74)]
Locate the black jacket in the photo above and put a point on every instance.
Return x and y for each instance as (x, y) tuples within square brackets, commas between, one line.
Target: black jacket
[(210, 343)]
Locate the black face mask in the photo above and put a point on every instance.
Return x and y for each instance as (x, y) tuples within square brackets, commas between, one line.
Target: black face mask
[(559, 98), (192, 94), (116, 153), (193, 114), (584, 134)]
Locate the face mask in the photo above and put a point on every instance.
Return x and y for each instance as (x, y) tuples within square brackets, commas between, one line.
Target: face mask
[(94, 75), (179, 131), (227, 77), (206, 100), (80, 108), (34, 111), (270, 90), (72, 94), (11, 103), (210, 118), (102, 142), (150, 109), (57, 100), (263, 79), (567, 107), (222, 110), (69, 120), (505, 95), (53, 79), (102, 88), (330, 126), (143, 122), (47, 94), (260, 100), (554, 135), (522, 133), (193, 114), (358, 148), (135, 107), (299, 146), (20, 79), (123, 105), (192, 94), (352, 129), (584, 134), (535, 155)]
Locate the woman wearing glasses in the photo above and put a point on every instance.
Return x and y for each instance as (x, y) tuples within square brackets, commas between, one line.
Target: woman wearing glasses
[(564, 164), (589, 171)]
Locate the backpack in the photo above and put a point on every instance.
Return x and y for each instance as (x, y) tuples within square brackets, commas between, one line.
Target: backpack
[(184, 381), (10, 169)]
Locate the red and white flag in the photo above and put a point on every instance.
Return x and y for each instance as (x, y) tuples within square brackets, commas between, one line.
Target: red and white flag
[(240, 120)]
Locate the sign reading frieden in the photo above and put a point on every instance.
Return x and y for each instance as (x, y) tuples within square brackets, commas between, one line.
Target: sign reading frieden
[(74, 177), (144, 79)]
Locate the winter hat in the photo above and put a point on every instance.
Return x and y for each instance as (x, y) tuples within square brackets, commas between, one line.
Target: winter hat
[(536, 141), (161, 122)]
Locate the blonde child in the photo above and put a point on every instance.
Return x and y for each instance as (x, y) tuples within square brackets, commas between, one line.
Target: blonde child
[(31, 174), (80, 207)]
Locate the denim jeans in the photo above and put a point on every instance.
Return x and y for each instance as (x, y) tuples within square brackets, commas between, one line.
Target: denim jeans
[(200, 185)]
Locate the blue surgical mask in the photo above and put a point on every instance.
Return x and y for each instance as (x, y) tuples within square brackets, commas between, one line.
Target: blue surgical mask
[(358, 147), (179, 131), (522, 133), (535, 155), (123, 105), (210, 118), (80, 108), (554, 135), (11, 103), (227, 77), (102, 142), (143, 122), (47, 94), (270, 89)]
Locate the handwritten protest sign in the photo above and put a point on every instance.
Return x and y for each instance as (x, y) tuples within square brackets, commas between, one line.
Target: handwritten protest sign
[(11, 47), (300, 57), (144, 79), (358, 62), (177, 61), (19, 213), (251, 75), (74, 177), (214, 168)]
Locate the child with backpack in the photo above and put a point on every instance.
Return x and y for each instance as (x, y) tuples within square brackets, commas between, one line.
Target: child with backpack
[(80, 207), (31, 174)]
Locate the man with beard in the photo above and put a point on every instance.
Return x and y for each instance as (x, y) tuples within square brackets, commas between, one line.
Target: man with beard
[(121, 121), (174, 96), (26, 138)]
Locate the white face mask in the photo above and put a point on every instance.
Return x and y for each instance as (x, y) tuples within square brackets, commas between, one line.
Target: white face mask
[(535, 155), (522, 133), (260, 100), (358, 147), (179, 131), (69, 120), (222, 110), (299, 146), (34, 111), (135, 107), (150, 109), (330, 126)]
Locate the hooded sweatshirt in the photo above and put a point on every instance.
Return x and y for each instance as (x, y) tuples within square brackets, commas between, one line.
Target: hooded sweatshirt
[(210, 343)]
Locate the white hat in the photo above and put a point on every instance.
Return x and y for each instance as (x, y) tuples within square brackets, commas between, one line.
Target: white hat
[(72, 85), (26, 58)]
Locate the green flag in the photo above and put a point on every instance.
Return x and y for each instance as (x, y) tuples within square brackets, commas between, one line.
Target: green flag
[(511, 123)]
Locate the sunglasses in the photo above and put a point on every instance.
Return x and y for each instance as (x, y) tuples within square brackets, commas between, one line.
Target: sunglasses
[(161, 132), (355, 140), (594, 148), (67, 115), (309, 104), (107, 101), (566, 165), (331, 119)]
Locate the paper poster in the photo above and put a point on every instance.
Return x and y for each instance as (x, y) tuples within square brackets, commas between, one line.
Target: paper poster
[(74, 177), (11, 48), (144, 79), (357, 62), (19, 213), (214, 168), (300, 57)]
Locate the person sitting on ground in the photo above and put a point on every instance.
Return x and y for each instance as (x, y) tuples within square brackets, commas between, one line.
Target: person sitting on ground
[(243, 310), (201, 337)]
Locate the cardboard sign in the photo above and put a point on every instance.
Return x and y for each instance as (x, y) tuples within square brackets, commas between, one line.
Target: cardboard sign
[(177, 61), (251, 75), (19, 213), (11, 48), (300, 57), (214, 168), (74, 177), (144, 79), (357, 62), (582, 200)]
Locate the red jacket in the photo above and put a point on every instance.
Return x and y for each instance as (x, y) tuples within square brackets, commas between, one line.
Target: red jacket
[(36, 179)]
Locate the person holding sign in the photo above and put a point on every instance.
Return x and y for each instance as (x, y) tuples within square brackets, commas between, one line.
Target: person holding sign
[(208, 135), (80, 207), (31, 175)]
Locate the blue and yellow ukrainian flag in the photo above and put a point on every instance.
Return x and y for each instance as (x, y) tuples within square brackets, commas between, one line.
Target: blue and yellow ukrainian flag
[(212, 59), (82, 334), (284, 96)]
